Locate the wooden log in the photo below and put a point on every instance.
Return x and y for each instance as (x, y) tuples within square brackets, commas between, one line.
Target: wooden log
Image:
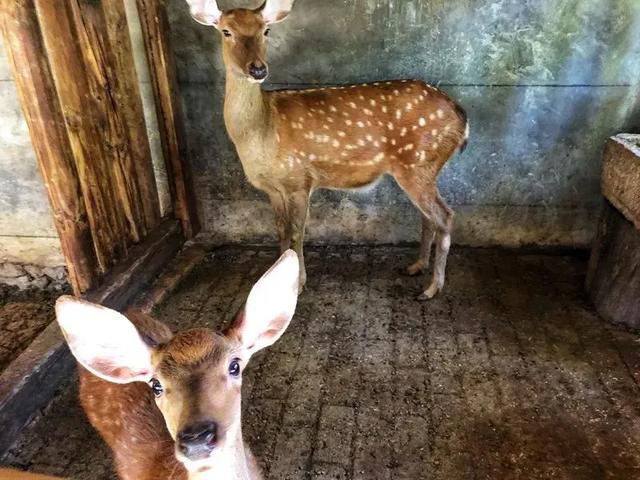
[(104, 87), (129, 98), (49, 138), (613, 279), (6, 474), (156, 30), (171, 277), (85, 126)]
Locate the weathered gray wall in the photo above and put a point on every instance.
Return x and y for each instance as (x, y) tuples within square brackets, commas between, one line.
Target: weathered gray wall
[(545, 82), (27, 234)]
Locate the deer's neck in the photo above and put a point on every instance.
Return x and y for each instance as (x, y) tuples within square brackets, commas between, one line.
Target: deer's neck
[(234, 464), (246, 109)]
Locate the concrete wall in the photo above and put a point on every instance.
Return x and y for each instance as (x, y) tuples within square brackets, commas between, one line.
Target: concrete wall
[(27, 234), (545, 82)]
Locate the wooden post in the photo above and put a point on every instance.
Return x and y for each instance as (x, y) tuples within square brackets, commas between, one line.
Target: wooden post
[(86, 126), (156, 30), (129, 99), (104, 88), (45, 119)]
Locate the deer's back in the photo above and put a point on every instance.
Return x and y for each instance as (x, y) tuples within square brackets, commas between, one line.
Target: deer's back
[(351, 135)]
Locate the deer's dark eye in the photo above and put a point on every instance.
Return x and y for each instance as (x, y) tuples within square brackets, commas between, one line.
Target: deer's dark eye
[(156, 387), (267, 32), (234, 368), (226, 33)]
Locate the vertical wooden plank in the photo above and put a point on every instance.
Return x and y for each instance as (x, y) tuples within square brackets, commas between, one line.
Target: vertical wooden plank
[(156, 29), (128, 98), (104, 85), (85, 127), (44, 117)]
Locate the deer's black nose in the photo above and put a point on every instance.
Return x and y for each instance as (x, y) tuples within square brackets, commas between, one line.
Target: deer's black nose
[(259, 72), (198, 440)]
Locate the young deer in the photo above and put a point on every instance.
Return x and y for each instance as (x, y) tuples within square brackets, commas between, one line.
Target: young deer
[(294, 141), (192, 428)]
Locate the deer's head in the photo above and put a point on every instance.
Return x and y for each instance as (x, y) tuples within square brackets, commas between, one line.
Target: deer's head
[(195, 375), (244, 33)]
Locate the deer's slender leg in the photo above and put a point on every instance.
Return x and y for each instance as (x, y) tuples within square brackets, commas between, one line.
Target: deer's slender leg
[(280, 207), (439, 219), (299, 211), (426, 242), (444, 224)]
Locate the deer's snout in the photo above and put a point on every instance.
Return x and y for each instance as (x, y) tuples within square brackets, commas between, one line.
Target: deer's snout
[(197, 441), (258, 70)]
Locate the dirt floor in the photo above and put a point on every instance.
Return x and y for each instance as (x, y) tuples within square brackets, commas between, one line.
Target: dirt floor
[(508, 374), (23, 315)]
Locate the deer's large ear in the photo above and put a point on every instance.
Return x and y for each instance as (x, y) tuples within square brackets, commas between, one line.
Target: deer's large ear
[(270, 305), (274, 11), (205, 12), (104, 341)]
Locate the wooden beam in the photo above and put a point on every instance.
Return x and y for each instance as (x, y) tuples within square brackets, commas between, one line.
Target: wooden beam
[(49, 138), (104, 87), (6, 474), (156, 30), (129, 99), (86, 125), (30, 381)]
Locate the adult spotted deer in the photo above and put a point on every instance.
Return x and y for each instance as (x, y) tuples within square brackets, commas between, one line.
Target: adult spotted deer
[(169, 405), (292, 142)]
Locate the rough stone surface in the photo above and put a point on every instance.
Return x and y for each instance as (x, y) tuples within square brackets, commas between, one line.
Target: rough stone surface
[(23, 315), (33, 276), (545, 83), (508, 374)]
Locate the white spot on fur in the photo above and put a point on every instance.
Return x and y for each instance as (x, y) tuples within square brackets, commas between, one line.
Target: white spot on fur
[(422, 121)]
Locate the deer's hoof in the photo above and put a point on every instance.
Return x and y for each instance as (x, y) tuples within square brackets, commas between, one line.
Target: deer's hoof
[(415, 269), (429, 293), (302, 283)]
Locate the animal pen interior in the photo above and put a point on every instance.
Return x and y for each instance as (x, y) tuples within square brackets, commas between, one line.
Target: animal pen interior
[(526, 364)]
